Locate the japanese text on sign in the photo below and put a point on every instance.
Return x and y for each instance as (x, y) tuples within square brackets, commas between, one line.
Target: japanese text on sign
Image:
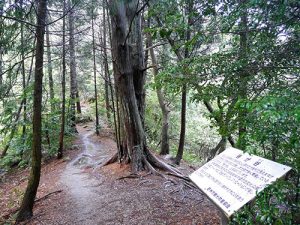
[(233, 178)]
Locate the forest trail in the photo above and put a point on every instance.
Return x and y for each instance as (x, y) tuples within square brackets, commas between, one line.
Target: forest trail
[(110, 195), (80, 186)]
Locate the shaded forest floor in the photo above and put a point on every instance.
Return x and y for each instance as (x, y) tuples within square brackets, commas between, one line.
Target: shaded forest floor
[(77, 190)]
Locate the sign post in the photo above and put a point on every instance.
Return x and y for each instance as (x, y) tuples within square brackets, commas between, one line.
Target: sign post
[(234, 178)]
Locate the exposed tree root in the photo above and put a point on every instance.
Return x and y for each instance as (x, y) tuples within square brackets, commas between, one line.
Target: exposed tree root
[(152, 163), (132, 176), (180, 176), (152, 169), (47, 195), (147, 174), (113, 159), (157, 163)]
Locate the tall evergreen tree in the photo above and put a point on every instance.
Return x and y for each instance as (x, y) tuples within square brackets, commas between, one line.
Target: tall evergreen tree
[(34, 178)]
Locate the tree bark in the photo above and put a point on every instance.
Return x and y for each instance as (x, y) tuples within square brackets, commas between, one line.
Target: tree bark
[(127, 52), (34, 178), (105, 65), (95, 76), (122, 18), (50, 76), (184, 88), (75, 102), (182, 126), (63, 90)]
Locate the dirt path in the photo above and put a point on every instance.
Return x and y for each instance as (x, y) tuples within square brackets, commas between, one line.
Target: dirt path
[(80, 185), (92, 194)]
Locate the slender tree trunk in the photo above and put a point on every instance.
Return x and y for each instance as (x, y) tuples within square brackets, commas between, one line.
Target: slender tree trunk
[(78, 106), (182, 126), (63, 90), (184, 90), (1, 47), (13, 129), (218, 149), (105, 63), (180, 58), (50, 76), (242, 114), (75, 102), (23, 75), (113, 89), (165, 148), (1, 67), (95, 76), (34, 178)]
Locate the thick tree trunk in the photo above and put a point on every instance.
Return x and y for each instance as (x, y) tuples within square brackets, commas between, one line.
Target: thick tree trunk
[(127, 53), (165, 148), (75, 102), (125, 73), (138, 66), (95, 77), (63, 90), (50, 76), (34, 178)]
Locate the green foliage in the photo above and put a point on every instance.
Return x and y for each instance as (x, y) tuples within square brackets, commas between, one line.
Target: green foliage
[(200, 135), (153, 118), (274, 205), (273, 124)]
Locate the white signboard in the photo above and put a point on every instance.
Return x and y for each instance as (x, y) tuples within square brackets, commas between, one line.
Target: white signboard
[(233, 178)]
